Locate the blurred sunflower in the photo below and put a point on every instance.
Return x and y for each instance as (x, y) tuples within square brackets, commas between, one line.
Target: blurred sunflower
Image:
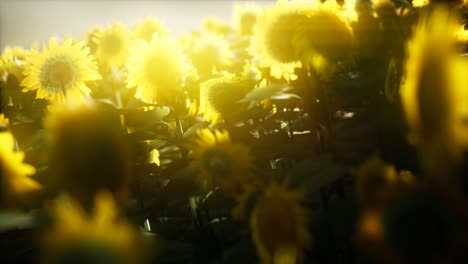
[(159, 69), (59, 71), (433, 91), (11, 67), (376, 179), (275, 37), (279, 225), (89, 36), (103, 237), (16, 185), (111, 86), (219, 97), (145, 29), (245, 17), (399, 228), (220, 162), (87, 151), (112, 45), (328, 34), (213, 25), (209, 52)]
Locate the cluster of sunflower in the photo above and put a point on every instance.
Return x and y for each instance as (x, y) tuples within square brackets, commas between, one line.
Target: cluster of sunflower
[(303, 131)]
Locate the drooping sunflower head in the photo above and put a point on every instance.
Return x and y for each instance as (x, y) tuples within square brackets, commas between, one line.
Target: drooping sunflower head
[(159, 69), (112, 45), (60, 70), (208, 52), (434, 83), (219, 97), (219, 162), (16, 186), (88, 151), (145, 29), (101, 237), (245, 17), (279, 224)]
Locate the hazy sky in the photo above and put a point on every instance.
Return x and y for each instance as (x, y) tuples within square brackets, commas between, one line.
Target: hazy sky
[(25, 21)]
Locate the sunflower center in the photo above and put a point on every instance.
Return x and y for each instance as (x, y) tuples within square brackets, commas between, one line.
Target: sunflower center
[(217, 163), (58, 74)]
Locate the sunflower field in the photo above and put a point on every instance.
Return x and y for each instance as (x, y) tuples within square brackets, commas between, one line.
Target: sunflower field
[(304, 131)]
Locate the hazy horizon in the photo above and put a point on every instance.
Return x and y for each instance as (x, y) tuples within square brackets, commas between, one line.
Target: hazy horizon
[(23, 22)]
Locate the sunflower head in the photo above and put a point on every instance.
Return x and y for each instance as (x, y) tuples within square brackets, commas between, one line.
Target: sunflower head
[(219, 162), (112, 45), (159, 69), (16, 186), (11, 68), (60, 70), (279, 224), (433, 84), (208, 52), (219, 97), (145, 29), (328, 34), (278, 30), (88, 151), (101, 237)]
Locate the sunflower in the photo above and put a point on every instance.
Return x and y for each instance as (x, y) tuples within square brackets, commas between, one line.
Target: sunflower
[(59, 71), (89, 36), (433, 88), (291, 34), (376, 179), (159, 69), (279, 225), (220, 162), (112, 45), (219, 97), (11, 67), (100, 236), (245, 17), (16, 185), (87, 151), (399, 228), (210, 52), (145, 29), (276, 34)]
